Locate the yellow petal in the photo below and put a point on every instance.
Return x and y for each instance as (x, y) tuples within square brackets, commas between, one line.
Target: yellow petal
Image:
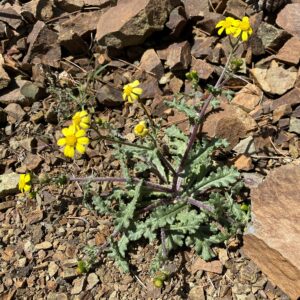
[(27, 188), (80, 133), (137, 91), (80, 148), (84, 125), (83, 113), (130, 100), (61, 142), (244, 36), (134, 97), (220, 24), (83, 140), (27, 178), (135, 83), (69, 151), (245, 19), (220, 30), (124, 96), (65, 131)]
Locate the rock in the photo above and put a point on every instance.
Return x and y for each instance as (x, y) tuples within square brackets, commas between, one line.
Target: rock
[(52, 268), (38, 9), (34, 216), (32, 91), (43, 246), (271, 36), (294, 125), (197, 293), (252, 180), (275, 204), (69, 5), (281, 111), (288, 19), (275, 79), (43, 47), (179, 56), (57, 296), (202, 47), (150, 62), (203, 68), (236, 9), (290, 52), (32, 162), (77, 285), (131, 22), (196, 9), (109, 96), (243, 163), (290, 98), (37, 117), (9, 183), (150, 88), (229, 122), (245, 146), (208, 24), (210, 266), (175, 85), (73, 31), (92, 280), (248, 97), (177, 21), (15, 113), (11, 17), (216, 54), (4, 78)]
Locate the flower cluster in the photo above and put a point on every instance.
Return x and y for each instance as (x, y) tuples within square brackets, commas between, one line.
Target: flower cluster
[(141, 129), (24, 183), (75, 135), (235, 27), (131, 91)]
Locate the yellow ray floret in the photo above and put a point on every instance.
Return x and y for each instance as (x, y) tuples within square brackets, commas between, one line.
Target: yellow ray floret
[(227, 25), (81, 119), (243, 28), (74, 139), (131, 91)]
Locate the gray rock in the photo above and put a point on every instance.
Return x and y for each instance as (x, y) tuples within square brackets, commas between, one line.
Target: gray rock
[(9, 184), (294, 125), (245, 146)]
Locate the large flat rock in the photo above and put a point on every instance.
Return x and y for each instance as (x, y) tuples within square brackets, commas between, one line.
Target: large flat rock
[(273, 240)]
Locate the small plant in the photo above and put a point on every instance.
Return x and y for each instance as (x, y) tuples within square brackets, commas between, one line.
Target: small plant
[(174, 189)]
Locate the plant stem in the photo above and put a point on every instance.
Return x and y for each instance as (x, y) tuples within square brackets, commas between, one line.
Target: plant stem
[(163, 243), (199, 204), (148, 115), (148, 184), (196, 127)]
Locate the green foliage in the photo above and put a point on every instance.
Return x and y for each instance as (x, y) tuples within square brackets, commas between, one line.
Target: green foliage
[(201, 213)]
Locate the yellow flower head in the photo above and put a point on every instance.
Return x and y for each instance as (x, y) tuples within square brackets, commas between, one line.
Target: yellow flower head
[(141, 129), (81, 119), (243, 28), (131, 91), (74, 139), (24, 183), (227, 25)]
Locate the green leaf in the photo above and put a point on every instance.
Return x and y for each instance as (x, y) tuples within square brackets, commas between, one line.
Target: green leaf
[(156, 162), (115, 254), (122, 244), (126, 212)]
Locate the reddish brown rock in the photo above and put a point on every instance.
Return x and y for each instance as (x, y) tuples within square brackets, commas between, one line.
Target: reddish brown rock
[(290, 52), (290, 98), (176, 21), (273, 240), (248, 97), (179, 56), (11, 17), (150, 62), (196, 9), (229, 122), (131, 22), (202, 47), (210, 266), (203, 68), (236, 9), (288, 19), (243, 163)]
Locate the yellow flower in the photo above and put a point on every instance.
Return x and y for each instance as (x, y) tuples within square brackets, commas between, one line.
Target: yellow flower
[(131, 91), (243, 27), (227, 25), (81, 119), (141, 129), (74, 139), (24, 183)]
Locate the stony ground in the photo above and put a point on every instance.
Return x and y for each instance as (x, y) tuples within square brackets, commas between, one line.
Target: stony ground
[(51, 50)]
